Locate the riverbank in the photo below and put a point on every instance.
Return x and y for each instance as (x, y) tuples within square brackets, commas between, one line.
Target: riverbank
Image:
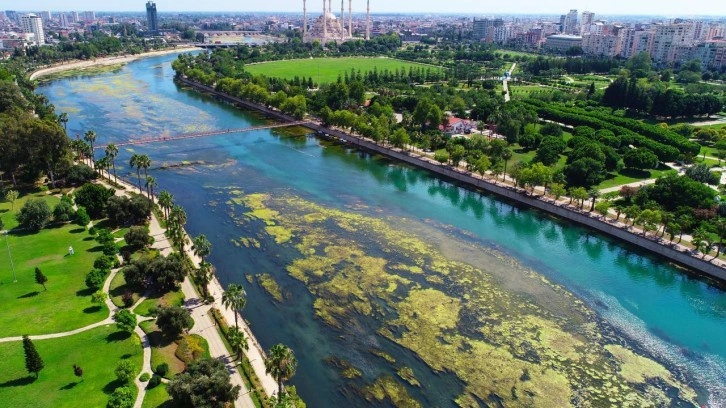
[(121, 59), (713, 269)]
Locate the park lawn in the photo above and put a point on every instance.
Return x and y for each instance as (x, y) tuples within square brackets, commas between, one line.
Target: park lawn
[(627, 176), (327, 70), (157, 397), (66, 305), (96, 351), (162, 350), (173, 298)]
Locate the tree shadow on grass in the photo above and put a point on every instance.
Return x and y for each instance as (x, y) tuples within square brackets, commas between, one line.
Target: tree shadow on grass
[(92, 309), (68, 386), (117, 336), (111, 387), (29, 295), (98, 248), (18, 382), (89, 238), (77, 230), (85, 292), (168, 404), (635, 173)]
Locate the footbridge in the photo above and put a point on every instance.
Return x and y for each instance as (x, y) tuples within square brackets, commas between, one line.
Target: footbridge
[(197, 135)]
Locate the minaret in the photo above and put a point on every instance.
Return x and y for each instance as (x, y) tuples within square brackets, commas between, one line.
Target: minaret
[(350, 18), (342, 13), (305, 19), (325, 25), (368, 21)]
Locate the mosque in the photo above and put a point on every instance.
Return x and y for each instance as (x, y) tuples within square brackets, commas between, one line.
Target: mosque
[(328, 27)]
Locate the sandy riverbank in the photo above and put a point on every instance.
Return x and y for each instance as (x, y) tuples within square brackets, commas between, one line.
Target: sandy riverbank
[(122, 59)]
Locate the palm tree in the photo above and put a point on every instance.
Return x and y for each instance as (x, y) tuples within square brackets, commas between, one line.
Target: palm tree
[(90, 138), (177, 220), (103, 164), (134, 162), (112, 152), (237, 341), (63, 120), (281, 363), (145, 163), (593, 193), (166, 201), (204, 276), (150, 184), (234, 298), (201, 246)]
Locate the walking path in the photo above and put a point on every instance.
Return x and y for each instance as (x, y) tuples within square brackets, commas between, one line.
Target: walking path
[(505, 82)]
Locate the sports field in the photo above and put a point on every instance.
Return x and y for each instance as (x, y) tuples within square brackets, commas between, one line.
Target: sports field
[(326, 70)]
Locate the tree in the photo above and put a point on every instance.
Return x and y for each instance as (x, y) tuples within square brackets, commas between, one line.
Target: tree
[(281, 364), (593, 193), (144, 163), (94, 197), (557, 190), (137, 237), (111, 153), (237, 341), (204, 276), (33, 361), (703, 174), (640, 159), (82, 217), (585, 172), (234, 298), (63, 211), (125, 371), (441, 156), (150, 184), (34, 215), (204, 384), (78, 371), (122, 397), (400, 138), (63, 120), (174, 320), (40, 278), (579, 194), (99, 297), (125, 320), (602, 207), (12, 196)]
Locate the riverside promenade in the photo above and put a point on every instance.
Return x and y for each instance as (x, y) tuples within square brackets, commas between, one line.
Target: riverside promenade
[(714, 269)]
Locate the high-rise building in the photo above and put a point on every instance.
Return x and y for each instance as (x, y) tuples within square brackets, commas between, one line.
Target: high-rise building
[(89, 16), (74, 16), (571, 23), (45, 16), (63, 20), (33, 24), (484, 30), (12, 15), (636, 41), (588, 18), (668, 38), (152, 21)]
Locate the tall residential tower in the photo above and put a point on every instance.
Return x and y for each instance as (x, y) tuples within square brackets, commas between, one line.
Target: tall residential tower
[(33, 24), (152, 21)]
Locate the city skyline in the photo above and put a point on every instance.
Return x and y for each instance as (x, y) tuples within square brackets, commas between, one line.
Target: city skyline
[(614, 7)]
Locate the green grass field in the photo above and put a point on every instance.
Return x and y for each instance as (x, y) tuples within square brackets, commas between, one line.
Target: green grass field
[(96, 351), (326, 70), (157, 397), (66, 305), (173, 298)]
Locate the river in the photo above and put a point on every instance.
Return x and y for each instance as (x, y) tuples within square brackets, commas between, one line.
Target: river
[(368, 253)]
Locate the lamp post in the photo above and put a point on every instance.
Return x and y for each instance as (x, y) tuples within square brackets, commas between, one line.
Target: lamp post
[(15, 278)]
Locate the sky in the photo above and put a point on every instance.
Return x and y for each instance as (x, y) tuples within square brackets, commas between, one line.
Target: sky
[(668, 8)]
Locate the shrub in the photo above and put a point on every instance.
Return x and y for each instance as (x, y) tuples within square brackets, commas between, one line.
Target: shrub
[(173, 321), (162, 369), (125, 320), (154, 381), (122, 397), (105, 262), (94, 197), (34, 215), (144, 377), (125, 371), (127, 298)]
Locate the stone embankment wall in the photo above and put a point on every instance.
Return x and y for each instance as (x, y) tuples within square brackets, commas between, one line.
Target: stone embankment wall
[(601, 224)]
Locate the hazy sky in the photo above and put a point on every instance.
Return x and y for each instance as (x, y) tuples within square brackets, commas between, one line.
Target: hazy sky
[(473, 7)]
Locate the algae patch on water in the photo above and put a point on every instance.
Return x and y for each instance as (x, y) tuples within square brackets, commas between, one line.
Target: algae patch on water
[(508, 335), (270, 285)]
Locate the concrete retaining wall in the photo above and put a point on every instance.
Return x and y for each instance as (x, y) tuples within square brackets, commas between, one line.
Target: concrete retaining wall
[(663, 249)]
